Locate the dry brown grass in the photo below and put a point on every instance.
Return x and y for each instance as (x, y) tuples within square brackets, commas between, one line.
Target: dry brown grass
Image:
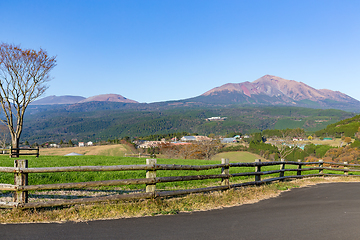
[(336, 142), (193, 202), (105, 150)]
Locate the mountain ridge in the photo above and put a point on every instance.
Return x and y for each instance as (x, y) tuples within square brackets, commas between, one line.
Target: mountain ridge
[(272, 90), (68, 99), (108, 98), (268, 90), (275, 86)]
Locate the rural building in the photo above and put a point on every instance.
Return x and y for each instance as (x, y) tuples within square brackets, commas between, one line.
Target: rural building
[(298, 139), (81, 144), (150, 144), (90, 143), (195, 138), (228, 140), (188, 138), (216, 119)]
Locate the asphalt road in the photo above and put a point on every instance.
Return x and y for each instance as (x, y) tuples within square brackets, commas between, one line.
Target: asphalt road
[(324, 211)]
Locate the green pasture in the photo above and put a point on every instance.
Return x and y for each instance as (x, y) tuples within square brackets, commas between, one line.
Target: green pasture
[(65, 177)]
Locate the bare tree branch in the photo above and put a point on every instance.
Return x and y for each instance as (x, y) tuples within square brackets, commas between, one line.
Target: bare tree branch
[(23, 77)]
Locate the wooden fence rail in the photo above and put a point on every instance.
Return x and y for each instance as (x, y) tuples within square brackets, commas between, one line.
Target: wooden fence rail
[(21, 171), (16, 152), (139, 155)]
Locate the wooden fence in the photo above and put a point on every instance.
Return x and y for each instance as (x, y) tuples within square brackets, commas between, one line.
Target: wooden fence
[(21, 171), (139, 155), (15, 152)]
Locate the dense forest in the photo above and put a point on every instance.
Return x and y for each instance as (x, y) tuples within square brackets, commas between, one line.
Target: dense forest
[(102, 121)]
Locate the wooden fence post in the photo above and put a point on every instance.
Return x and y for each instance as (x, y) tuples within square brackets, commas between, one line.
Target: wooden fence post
[(321, 165), (299, 168), (20, 179), (257, 169), (282, 167), (37, 152), (151, 174), (346, 169), (225, 170)]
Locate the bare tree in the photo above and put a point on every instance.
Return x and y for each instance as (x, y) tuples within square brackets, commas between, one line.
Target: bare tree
[(23, 77), (4, 135), (285, 151), (210, 148), (200, 150)]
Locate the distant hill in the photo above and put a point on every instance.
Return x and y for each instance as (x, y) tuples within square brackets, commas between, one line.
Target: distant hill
[(67, 99), (51, 100), (349, 128), (272, 90), (109, 120), (108, 98)]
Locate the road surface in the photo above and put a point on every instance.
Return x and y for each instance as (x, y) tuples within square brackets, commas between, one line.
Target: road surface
[(324, 211)]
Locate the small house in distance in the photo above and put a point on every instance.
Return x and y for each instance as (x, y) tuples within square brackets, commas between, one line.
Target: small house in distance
[(228, 140), (188, 138), (216, 119), (327, 138), (81, 144), (195, 138)]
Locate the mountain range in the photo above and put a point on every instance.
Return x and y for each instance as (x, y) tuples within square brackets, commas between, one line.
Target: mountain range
[(267, 90), (67, 99)]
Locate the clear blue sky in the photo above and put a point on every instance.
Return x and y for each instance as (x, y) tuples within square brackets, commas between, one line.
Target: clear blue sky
[(153, 50)]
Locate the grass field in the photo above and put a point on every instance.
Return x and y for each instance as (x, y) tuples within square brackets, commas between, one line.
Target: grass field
[(336, 142), (89, 160)]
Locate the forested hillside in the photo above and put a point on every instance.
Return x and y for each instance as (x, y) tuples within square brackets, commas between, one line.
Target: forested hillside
[(348, 128), (102, 121)]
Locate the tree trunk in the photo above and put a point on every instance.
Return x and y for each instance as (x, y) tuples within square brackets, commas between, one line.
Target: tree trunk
[(15, 145)]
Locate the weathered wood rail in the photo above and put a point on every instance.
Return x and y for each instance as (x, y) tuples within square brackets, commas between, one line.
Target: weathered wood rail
[(15, 152), (139, 155), (21, 171)]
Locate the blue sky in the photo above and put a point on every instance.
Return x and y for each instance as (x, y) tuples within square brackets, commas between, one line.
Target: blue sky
[(153, 50)]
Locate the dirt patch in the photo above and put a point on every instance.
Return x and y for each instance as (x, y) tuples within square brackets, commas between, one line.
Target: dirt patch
[(106, 150)]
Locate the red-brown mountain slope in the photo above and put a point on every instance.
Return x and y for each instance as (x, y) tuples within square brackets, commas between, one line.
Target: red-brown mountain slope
[(287, 90)]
